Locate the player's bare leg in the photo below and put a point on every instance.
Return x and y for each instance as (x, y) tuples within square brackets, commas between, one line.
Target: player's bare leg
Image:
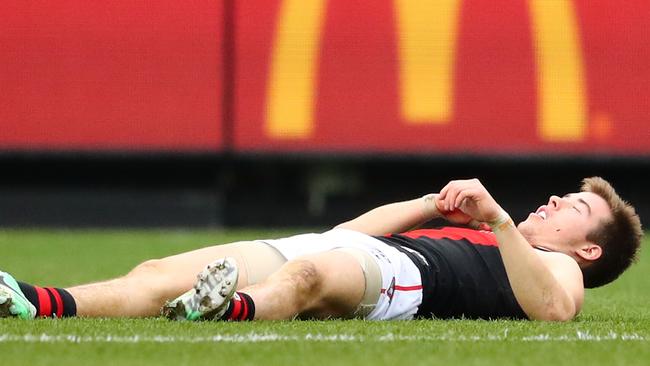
[(327, 284), (145, 289)]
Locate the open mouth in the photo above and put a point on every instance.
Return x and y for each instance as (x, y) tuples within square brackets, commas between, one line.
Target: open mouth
[(541, 212)]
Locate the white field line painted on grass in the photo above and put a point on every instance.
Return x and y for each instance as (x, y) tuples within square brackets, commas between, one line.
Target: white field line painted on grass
[(579, 336)]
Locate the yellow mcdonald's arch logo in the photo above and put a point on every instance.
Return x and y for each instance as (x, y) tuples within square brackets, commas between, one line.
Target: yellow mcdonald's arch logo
[(427, 34), (427, 50), (561, 103), (291, 86)]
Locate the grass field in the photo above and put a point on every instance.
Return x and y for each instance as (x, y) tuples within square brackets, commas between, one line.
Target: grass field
[(613, 329)]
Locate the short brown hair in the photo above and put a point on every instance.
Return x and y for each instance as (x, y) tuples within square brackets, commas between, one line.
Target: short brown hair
[(619, 237)]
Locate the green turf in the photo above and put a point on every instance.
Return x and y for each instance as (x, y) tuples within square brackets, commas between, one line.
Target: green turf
[(614, 328)]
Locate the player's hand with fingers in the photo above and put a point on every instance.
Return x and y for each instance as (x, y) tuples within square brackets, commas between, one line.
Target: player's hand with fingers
[(470, 198), (455, 216), (458, 217)]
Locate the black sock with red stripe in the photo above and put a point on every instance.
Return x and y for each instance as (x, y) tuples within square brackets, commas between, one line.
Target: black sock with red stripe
[(241, 307), (50, 301)]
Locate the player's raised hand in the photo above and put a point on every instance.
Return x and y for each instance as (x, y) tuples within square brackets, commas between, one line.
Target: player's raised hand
[(471, 198), (457, 216)]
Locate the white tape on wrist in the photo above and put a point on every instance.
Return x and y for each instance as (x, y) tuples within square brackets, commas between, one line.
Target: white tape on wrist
[(502, 223), (429, 208)]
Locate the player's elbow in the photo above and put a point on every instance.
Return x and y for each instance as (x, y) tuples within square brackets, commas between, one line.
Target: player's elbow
[(555, 313), (354, 226), (344, 225), (559, 316)]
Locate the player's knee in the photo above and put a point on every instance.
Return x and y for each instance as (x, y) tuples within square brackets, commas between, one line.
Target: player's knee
[(153, 267), (306, 280), (149, 277)]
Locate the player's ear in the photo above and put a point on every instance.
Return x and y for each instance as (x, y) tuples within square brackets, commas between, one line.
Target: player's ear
[(589, 251)]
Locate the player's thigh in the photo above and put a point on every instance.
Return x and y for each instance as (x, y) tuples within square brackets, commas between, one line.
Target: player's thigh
[(255, 261), (341, 284)]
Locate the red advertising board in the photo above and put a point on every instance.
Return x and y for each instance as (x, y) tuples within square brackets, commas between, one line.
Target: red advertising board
[(443, 76), (430, 77), (116, 75)]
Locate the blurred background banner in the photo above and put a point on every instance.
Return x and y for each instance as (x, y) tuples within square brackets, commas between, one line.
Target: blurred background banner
[(117, 75), (443, 76), (218, 112)]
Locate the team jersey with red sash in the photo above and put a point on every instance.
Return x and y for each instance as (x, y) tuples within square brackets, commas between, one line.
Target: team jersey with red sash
[(462, 273)]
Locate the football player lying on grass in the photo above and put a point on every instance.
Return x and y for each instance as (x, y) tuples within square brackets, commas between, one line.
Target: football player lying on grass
[(372, 267)]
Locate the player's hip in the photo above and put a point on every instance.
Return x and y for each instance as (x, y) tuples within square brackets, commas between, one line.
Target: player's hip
[(393, 282)]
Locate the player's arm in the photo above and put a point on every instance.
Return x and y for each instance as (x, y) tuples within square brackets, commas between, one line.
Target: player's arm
[(547, 288), (544, 292), (402, 216), (395, 217)]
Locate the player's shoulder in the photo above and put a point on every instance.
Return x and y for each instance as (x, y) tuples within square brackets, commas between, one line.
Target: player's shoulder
[(557, 261), (568, 274)]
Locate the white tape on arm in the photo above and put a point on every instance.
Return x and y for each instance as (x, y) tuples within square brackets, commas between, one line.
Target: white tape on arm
[(502, 222)]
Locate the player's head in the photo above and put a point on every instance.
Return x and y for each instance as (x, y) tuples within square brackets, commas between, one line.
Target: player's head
[(595, 226)]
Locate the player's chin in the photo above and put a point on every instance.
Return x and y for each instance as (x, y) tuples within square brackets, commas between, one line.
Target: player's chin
[(527, 225)]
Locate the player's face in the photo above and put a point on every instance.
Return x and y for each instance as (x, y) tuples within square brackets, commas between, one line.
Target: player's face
[(563, 223)]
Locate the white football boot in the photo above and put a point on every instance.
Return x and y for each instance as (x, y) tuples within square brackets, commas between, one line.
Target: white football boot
[(210, 296)]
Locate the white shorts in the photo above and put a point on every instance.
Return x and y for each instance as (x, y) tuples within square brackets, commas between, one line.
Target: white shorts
[(401, 290)]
